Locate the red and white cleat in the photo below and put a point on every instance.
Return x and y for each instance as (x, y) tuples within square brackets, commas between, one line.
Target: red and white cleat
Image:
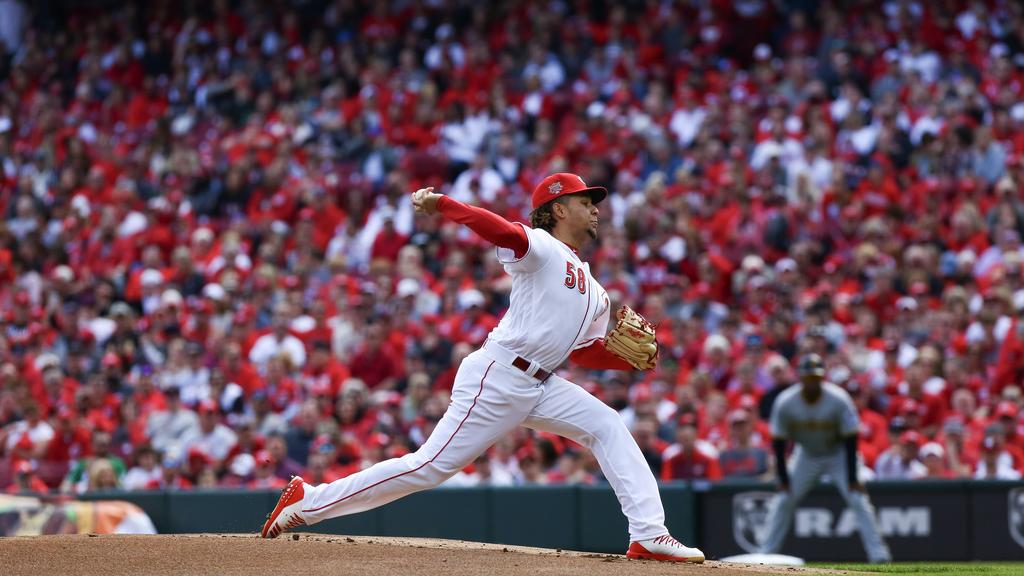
[(664, 548), (288, 512)]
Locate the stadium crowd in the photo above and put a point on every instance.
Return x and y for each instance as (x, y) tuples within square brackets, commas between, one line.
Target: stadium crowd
[(210, 273)]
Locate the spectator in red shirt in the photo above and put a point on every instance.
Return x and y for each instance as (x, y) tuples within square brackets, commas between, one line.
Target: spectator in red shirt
[(1006, 415), (72, 439), (263, 475), (325, 215), (997, 431), (473, 324), (236, 368), (148, 398), (58, 389), (313, 325), (353, 416), (374, 363), (873, 439), (930, 408), (744, 384), (389, 242), (280, 388), (714, 428), (323, 369), (26, 481), (30, 436), (961, 457), (965, 409), (684, 460)]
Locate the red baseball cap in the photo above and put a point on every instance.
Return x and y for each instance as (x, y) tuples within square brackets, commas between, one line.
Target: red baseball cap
[(748, 402), (562, 184), (688, 419), (641, 393), (320, 388), (738, 415), (910, 406), (264, 458), (111, 359), (1006, 409), (911, 437), (379, 440)]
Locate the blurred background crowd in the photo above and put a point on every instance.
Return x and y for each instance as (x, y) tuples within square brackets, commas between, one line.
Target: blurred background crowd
[(210, 273)]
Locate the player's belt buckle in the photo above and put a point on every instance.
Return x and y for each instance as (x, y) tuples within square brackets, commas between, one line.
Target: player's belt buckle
[(524, 365)]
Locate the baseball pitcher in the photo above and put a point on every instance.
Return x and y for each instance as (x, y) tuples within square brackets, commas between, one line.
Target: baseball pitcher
[(558, 311), (821, 419)]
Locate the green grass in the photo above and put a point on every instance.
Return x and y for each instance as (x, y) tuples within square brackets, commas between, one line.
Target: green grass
[(932, 568)]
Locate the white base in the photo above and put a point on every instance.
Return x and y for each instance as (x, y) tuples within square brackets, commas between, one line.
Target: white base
[(771, 559)]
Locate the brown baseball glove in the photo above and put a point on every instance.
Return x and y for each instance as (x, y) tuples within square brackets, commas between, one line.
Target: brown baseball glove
[(633, 340)]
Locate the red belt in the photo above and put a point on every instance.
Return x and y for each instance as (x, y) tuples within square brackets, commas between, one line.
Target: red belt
[(524, 365)]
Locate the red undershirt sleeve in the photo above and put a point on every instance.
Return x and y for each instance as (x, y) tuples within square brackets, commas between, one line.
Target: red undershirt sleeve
[(598, 357), (486, 224)]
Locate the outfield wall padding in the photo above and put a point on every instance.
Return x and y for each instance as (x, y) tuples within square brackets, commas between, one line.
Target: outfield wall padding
[(921, 520)]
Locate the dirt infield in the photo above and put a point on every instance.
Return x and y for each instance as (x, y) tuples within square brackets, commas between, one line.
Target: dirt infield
[(314, 554)]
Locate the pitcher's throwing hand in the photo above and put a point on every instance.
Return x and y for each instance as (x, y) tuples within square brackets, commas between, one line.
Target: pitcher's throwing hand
[(424, 201)]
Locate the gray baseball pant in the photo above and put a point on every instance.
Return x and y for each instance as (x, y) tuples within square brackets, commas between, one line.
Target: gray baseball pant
[(804, 472)]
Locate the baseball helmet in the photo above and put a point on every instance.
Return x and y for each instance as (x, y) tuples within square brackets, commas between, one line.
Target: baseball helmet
[(563, 184), (811, 365)]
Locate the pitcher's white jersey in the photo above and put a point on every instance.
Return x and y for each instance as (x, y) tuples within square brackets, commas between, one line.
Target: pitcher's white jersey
[(556, 305)]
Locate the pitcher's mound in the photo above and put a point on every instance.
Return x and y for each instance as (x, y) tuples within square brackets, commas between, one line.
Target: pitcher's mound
[(316, 554)]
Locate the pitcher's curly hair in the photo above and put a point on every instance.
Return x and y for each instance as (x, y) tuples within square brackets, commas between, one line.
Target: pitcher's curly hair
[(543, 218)]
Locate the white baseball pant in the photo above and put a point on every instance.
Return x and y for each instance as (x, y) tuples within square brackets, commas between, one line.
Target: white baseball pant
[(489, 399), (804, 472)]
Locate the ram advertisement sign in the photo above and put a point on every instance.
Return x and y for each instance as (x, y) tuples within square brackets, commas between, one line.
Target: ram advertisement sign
[(918, 525)]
